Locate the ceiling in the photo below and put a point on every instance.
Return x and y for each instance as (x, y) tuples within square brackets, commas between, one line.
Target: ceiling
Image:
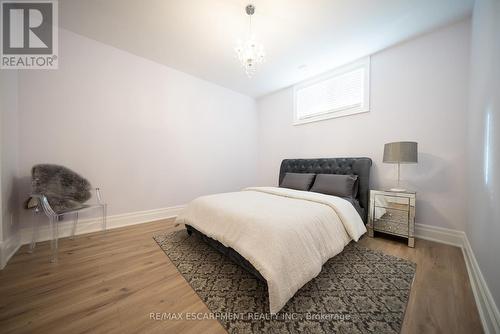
[(301, 38)]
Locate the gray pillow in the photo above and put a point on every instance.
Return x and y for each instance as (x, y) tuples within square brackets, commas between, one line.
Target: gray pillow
[(336, 185), (297, 181)]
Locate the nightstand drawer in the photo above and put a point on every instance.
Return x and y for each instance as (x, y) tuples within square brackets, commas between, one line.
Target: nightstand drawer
[(391, 227), (398, 216), (392, 202)]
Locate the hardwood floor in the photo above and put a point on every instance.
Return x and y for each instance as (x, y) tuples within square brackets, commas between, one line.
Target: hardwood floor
[(111, 283), (441, 299)]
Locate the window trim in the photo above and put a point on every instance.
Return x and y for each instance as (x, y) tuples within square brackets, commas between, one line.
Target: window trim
[(341, 112)]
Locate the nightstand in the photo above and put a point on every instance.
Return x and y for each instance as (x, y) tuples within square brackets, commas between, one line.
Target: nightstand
[(393, 213)]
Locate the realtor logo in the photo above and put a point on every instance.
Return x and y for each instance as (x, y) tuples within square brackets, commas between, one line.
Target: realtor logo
[(29, 34)]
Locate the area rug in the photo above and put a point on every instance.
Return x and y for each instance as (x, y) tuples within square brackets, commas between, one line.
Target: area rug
[(357, 291)]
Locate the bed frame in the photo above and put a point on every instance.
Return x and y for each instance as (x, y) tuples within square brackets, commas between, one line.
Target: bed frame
[(355, 166)]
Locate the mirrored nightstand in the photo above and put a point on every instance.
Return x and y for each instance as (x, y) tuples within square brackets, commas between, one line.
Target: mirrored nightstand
[(393, 213)]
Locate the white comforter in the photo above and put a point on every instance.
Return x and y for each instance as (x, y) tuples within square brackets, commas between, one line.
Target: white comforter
[(287, 235)]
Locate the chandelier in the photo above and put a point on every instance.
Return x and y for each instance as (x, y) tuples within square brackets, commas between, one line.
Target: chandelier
[(250, 53)]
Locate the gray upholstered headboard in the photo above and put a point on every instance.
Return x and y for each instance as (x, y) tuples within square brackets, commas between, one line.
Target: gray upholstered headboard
[(355, 166)]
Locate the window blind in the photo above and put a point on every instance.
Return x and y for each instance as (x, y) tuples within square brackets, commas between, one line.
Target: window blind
[(340, 93), (334, 94)]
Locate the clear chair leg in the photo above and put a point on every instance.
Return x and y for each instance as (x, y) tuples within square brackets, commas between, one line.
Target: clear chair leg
[(36, 225), (73, 229), (54, 226)]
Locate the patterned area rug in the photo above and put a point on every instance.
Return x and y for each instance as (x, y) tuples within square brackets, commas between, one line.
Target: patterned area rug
[(358, 291)]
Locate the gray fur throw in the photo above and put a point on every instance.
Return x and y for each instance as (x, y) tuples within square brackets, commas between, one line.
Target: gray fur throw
[(65, 190)]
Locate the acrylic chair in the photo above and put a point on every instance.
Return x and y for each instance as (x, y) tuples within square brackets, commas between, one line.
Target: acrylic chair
[(59, 192)]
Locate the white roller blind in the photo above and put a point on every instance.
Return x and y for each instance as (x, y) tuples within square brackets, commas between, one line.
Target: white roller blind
[(335, 93)]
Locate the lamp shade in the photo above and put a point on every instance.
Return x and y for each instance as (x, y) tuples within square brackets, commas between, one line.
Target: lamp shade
[(401, 152)]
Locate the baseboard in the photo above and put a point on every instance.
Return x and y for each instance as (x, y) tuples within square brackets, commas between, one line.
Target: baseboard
[(440, 234), (8, 248), (487, 308), (94, 224)]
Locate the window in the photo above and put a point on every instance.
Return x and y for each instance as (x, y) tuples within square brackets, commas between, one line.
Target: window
[(341, 92)]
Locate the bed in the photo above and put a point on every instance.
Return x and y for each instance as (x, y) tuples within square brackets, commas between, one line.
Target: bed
[(283, 236)]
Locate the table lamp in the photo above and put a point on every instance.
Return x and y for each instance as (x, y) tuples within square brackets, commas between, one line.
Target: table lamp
[(402, 152)]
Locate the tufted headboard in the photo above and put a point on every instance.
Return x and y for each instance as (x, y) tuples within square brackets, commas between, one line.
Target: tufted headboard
[(356, 166)]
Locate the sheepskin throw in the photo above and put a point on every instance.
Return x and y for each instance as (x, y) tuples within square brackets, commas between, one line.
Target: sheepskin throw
[(65, 190)]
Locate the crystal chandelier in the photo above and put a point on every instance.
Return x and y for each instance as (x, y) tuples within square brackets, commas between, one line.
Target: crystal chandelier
[(250, 53)]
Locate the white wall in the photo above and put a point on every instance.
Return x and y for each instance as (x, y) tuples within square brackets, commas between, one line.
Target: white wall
[(483, 225), (419, 93), (149, 136), (9, 163)]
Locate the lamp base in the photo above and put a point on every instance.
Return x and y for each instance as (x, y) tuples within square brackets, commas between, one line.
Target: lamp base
[(398, 190)]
